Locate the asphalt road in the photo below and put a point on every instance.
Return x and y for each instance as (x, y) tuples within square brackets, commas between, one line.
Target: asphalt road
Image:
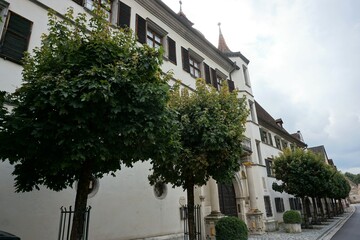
[(351, 229)]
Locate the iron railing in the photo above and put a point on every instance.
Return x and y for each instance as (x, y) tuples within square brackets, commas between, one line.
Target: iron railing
[(197, 219), (66, 223)]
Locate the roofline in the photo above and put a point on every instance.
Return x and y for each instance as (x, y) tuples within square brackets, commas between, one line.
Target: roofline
[(198, 43)]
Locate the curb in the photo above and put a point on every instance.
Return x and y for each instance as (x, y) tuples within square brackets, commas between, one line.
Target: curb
[(334, 229)]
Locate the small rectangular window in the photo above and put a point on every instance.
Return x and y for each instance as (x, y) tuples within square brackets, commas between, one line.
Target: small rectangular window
[(246, 75), (284, 144), (16, 37), (269, 167), (268, 206), (295, 204), (153, 39), (279, 204), (194, 67), (105, 4), (278, 142)]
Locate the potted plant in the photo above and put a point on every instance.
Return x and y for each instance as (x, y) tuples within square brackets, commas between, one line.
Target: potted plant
[(231, 228), (292, 221)]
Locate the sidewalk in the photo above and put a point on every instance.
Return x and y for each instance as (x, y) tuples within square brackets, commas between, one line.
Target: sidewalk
[(319, 232)]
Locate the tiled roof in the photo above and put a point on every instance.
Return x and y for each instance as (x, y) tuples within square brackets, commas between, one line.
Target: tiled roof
[(266, 120)]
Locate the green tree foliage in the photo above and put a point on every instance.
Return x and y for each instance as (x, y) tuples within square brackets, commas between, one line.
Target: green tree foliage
[(231, 228), (302, 173), (355, 178), (210, 131), (91, 100)]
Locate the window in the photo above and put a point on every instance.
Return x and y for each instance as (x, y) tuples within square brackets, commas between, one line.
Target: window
[(153, 35), (252, 111), (160, 190), (194, 68), (277, 142), (269, 168), (90, 4), (259, 152), (279, 205), (15, 38), (295, 204), (267, 206), (3, 10), (292, 146), (266, 136), (284, 144), (191, 62), (153, 39), (246, 75)]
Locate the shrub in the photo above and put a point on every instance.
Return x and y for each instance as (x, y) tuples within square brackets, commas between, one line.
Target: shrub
[(291, 217), (231, 228)]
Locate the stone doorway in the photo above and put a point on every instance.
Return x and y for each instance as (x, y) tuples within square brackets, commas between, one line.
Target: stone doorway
[(227, 199)]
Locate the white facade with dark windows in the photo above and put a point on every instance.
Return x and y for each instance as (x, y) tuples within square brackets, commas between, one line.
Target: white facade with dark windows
[(127, 203)]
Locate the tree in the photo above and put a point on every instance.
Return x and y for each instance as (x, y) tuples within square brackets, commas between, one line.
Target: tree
[(355, 178), (340, 189), (91, 100), (210, 131), (302, 174)]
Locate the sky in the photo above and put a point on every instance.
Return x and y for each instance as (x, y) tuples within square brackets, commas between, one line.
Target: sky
[(304, 63)]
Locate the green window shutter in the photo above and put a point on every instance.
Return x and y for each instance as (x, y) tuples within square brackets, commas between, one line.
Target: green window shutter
[(231, 85), (207, 74), (140, 29), (124, 14), (185, 59), (16, 38), (214, 78), (172, 50)]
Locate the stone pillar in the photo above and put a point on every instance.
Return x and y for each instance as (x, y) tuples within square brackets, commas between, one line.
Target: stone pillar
[(215, 215), (251, 185), (254, 216)]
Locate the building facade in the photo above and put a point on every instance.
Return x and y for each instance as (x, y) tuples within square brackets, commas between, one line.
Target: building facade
[(126, 206)]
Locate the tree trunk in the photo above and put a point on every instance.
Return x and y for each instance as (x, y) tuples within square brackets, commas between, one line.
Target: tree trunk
[(321, 208), (191, 220), (327, 208), (82, 191), (306, 218), (315, 220), (333, 203), (341, 208)]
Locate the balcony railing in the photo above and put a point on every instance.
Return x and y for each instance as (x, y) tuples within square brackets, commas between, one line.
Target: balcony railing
[(246, 145)]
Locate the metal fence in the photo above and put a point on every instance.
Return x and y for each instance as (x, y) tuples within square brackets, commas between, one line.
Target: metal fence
[(66, 223), (197, 219)]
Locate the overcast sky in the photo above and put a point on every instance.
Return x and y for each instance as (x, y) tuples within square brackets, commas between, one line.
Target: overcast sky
[(304, 63)]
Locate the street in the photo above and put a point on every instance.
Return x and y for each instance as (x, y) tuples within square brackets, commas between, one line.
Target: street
[(351, 229)]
